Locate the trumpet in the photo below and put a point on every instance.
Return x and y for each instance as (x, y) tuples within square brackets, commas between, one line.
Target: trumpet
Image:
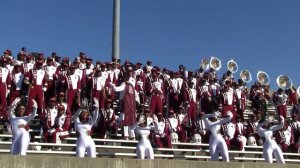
[(245, 75), (232, 66), (263, 78), (204, 64), (215, 63), (284, 82)]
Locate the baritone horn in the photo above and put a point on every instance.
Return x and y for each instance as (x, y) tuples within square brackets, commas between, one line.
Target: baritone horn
[(204, 64), (284, 82), (215, 63), (232, 66), (263, 78), (245, 75)]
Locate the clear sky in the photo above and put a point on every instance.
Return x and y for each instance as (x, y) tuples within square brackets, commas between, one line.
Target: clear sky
[(258, 34)]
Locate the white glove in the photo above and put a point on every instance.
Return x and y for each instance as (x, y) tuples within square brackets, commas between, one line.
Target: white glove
[(229, 114), (51, 131), (7, 92), (44, 89), (34, 104), (96, 102), (16, 101)]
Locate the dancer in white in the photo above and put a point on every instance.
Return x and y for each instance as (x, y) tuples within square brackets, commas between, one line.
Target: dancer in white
[(83, 125), (19, 123), (143, 147), (270, 146), (217, 143)]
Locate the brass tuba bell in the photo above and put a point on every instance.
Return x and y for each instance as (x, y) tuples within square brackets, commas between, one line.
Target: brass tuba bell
[(232, 66), (263, 78), (215, 63), (245, 75), (284, 82)]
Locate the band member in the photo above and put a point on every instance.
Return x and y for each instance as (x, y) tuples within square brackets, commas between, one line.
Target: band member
[(84, 122), (270, 146), (16, 83), (20, 127), (61, 73), (5, 84), (292, 96), (139, 71), (217, 143), (285, 138), (49, 120), (295, 127), (227, 100), (174, 91), (128, 99), (88, 74), (61, 101), (142, 131), (112, 77), (251, 129), (259, 105), (98, 91), (51, 78), (140, 89), (157, 95), (115, 68), (233, 135), (214, 88), (201, 128), (36, 81), (73, 83), (148, 68), (240, 99), (161, 137), (174, 126), (62, 124), (21, 57), (190, 103), (204, 95), (280, 100), (28, 65), (107, 121)]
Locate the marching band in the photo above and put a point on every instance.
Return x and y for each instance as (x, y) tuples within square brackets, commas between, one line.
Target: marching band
[(177, 105)]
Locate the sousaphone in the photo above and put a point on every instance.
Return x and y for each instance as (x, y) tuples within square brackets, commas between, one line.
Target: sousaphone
[(263, 78), (245, 75), (232, 66), (284, 82), (215, 63)]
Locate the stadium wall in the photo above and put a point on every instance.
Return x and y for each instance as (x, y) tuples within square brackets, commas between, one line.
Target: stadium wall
[(35, 161)]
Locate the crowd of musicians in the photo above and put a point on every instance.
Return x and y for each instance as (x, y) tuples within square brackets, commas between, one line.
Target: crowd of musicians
[(172, 102)]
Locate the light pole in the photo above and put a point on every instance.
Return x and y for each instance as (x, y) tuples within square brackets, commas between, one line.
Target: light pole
[(116, 31)]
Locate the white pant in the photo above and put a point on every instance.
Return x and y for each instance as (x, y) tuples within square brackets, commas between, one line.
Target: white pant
[(143, 149), (271, 147), (85, 144), (129, 131), (218, 145), (20, 142)]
